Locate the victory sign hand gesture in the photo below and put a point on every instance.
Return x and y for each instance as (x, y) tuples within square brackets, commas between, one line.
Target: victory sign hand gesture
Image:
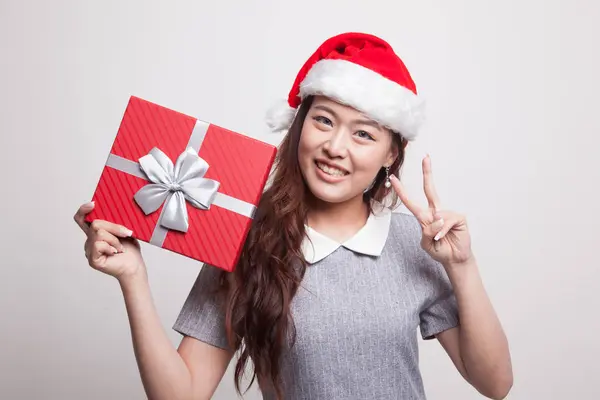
[(445, 234)]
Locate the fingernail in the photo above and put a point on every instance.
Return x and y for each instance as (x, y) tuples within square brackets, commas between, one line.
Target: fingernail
[(437, 237), (126, 232), (91, 204), (114, 250)]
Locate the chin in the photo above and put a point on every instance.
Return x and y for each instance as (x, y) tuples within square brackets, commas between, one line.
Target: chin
[(334, 194), (330, 196)]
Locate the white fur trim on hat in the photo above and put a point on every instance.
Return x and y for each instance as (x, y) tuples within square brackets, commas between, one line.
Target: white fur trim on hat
[(379, 98), (280, 116)]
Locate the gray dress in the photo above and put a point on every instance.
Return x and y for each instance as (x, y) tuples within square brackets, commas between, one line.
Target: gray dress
[(357, 315)]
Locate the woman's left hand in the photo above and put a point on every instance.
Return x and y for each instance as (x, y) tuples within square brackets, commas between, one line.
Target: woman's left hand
[(445, 234)]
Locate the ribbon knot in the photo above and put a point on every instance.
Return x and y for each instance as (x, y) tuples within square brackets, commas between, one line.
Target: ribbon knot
[(173, 185)]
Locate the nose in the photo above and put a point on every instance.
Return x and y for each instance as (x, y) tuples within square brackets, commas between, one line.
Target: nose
[(336, 145)]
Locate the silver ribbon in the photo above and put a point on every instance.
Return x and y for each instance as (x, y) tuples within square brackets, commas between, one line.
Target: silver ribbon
[(172, 185), (173, 181)]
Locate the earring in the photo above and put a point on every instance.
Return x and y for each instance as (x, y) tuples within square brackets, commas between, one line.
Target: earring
[(387, 184)]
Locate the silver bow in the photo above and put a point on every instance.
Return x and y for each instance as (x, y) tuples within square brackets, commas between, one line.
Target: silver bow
[(174, 185)]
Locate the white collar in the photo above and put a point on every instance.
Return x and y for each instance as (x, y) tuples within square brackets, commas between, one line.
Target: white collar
[(369, 240)]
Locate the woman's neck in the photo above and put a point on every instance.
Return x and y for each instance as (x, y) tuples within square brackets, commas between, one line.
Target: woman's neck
[(338, 221)]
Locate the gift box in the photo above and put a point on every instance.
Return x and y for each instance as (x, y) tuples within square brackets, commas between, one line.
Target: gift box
[(183, 184)]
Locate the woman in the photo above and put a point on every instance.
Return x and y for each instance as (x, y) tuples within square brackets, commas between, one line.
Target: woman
[(331, 286)]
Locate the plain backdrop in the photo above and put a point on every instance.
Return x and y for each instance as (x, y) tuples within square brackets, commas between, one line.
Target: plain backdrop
[(513, 123)]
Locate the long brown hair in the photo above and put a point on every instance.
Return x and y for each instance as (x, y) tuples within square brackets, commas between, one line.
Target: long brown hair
[(259, 292)]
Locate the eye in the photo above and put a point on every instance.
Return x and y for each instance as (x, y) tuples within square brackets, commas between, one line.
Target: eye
[(364, 135), (323, 120)]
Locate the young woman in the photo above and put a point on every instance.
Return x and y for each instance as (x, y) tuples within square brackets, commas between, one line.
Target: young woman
[(331, 287)]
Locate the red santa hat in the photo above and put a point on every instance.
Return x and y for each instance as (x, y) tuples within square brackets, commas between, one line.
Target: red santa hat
[(361, 71)]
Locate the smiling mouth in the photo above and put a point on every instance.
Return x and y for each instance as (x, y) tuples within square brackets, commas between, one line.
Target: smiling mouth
[(329, 170)]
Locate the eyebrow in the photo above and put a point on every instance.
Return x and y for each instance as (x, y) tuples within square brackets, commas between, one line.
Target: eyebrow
[(356, 121)]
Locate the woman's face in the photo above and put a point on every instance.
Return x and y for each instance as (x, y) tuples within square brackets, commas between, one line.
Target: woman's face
[(341, 151)]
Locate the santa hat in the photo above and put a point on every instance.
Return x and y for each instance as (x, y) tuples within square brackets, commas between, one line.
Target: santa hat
[(361, 71)]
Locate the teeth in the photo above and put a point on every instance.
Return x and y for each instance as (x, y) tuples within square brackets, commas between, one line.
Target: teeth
[(330, 170)]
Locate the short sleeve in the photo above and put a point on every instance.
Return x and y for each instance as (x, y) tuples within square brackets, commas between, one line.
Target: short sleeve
[(202, 315), (440, 311)]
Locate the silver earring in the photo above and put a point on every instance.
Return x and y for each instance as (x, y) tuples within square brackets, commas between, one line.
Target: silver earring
[(387, 184)]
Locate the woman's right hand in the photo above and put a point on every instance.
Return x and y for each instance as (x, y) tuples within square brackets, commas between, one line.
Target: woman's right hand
[(109, 247)]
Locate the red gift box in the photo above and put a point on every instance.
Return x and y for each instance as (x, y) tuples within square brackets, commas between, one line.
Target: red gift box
[(183, 184)]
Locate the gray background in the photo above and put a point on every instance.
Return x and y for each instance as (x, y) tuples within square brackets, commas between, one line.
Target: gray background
[(512, 91)]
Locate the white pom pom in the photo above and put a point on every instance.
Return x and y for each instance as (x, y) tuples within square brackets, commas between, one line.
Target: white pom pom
[(280, 116)]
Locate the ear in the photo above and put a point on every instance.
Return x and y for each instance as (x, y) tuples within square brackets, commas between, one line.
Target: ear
[(392, 154)]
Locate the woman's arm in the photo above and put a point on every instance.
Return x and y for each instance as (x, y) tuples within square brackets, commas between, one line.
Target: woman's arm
[(191, 373), (478, 347)]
